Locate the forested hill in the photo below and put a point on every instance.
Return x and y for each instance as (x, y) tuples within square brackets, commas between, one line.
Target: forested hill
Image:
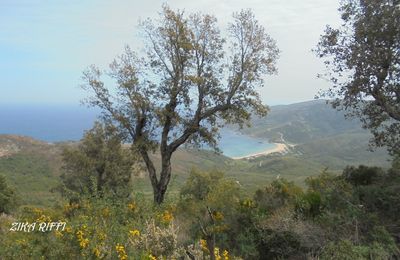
[(320, 134), (304, 122)]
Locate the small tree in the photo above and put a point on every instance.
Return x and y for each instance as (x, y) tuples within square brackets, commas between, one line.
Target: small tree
[(209, 206), (186, 87), (99, 164), (363, 59)]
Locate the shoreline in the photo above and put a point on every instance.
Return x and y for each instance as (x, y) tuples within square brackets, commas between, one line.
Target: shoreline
[(279, 148)]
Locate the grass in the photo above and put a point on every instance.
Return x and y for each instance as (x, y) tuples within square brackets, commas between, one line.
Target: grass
[(32, 177)]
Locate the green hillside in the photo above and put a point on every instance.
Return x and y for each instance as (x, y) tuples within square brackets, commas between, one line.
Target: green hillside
[(320, 134), (322, 138), (303, 122), (32, 167)]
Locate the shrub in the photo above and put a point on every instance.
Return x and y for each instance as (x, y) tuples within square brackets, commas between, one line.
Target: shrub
[(7, 196)]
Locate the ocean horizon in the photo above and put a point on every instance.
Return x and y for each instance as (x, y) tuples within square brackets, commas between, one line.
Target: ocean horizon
[(59, 123)]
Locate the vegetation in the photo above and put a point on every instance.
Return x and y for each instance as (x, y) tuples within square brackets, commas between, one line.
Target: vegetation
[(99, 164), (186, 87), (33, 176), (211, 215), (258, 208), (346, 216), (363, 61), (7, 196)]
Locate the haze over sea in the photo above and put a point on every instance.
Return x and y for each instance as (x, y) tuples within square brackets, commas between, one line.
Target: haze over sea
[(56, 123)]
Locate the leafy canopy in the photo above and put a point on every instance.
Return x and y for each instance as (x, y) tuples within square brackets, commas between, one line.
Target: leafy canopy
[(189, 77), (99, 164), (187, 84), (363, 61)]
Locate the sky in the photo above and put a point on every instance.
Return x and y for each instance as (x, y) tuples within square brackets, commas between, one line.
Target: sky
[(45, 45)]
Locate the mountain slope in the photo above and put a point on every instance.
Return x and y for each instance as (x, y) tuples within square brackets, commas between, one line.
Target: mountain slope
[(303, 122), (319, 133), (322, 138)]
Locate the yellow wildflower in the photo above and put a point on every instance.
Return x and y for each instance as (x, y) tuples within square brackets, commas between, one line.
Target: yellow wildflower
[(79, 234), (70, 207), (84, 243), (37, 211), (218, 216), (167, 217), (134, 233), (203, 245), (152, 257), (102, 236), (132, 206), (96, 252), (43, 218), (216, 253), (248, 203), (225, 254), (121, 252), (58, 234), (68, 229)]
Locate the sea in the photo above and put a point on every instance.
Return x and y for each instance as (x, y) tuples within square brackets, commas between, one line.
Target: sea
[(58, 123)]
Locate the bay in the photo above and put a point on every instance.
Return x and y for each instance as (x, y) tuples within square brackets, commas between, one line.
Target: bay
[(59, 123)]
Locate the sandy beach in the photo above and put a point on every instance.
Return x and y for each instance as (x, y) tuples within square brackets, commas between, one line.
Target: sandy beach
[(279, 148)]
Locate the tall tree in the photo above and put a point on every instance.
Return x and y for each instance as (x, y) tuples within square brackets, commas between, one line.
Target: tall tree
[(363, 61), (190, 82)]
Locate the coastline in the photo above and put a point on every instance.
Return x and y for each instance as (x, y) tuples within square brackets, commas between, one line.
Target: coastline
[(279, 148)]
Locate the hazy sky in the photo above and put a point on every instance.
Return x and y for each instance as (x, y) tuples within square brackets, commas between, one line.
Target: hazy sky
[(45, 45)]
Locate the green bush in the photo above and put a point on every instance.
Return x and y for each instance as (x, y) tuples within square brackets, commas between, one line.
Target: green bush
[(363, 175), (7, 196)]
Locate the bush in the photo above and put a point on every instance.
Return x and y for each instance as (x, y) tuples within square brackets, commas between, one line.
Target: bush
[(7, 196), (363, 175), (346, 250), (278, 193)]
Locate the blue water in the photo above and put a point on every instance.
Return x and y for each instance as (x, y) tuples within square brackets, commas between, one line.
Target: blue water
[(234, 144), (47, 123), (63, 123)]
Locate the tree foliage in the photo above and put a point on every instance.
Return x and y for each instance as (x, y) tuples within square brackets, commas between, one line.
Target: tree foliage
[(99, 164), (190, 82), (363, 61), (209, 207)]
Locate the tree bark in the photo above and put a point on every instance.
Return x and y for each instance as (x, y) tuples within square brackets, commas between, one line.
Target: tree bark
[(165, 177)]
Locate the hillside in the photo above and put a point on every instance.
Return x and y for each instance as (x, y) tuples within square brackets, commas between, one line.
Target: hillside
[(32, 167), (319, 133), (303, 122), (322, 138)]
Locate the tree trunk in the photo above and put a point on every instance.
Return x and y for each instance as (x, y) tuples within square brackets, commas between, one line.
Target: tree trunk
[(161, 188), (159, 195), (165, 176)]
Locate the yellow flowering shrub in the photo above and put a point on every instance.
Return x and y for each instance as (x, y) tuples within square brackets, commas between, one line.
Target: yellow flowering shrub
[(121, 252), (218, 216), (132, 206), (203, 245), (134, 233), (167, 217)]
